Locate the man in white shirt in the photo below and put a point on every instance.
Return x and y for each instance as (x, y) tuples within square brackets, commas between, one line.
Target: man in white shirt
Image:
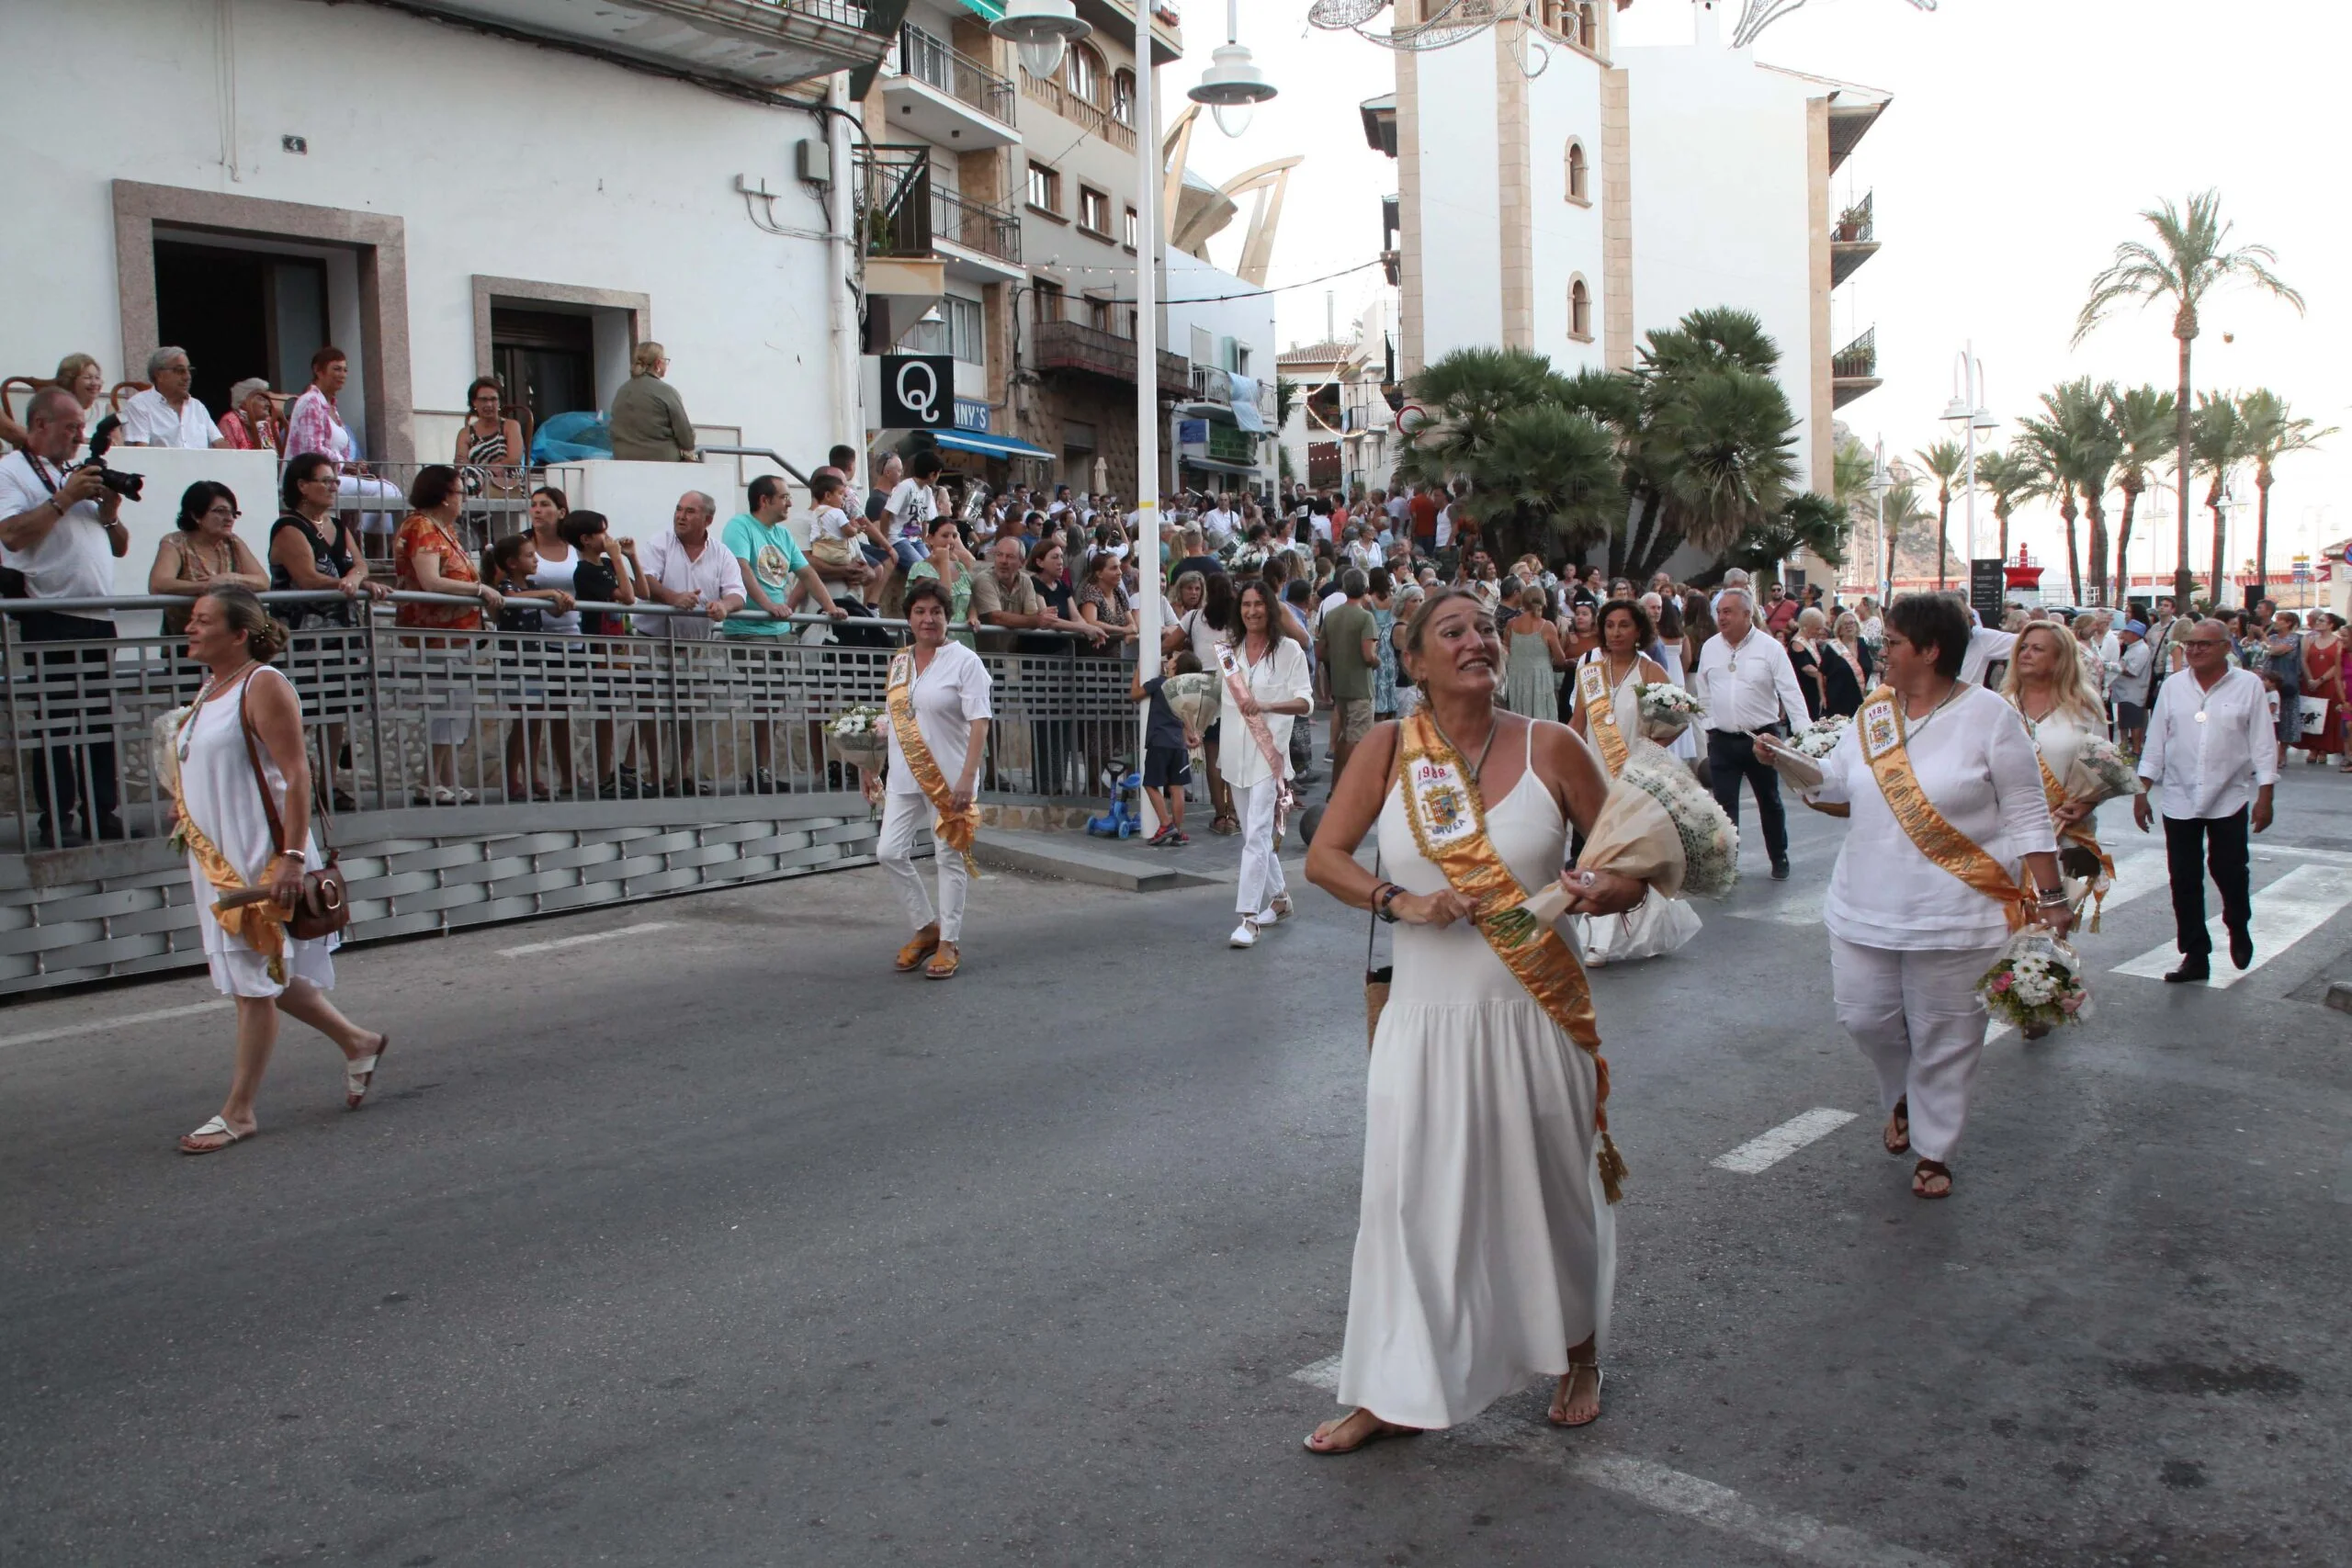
[(1985, 646), (60, 533), (2213, 750), (1219, 522), (1748, 684), (2127, 683), (687, 570), (165, 415)]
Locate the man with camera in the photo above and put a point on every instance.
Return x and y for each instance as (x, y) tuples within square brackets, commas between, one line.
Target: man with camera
[(60, 533)]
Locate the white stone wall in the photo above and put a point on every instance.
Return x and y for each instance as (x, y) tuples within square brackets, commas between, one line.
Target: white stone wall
[(1565, 102), (1461, 199)]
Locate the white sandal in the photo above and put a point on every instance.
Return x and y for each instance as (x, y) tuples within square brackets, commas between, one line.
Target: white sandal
[(359, 1072), (216, 1128)]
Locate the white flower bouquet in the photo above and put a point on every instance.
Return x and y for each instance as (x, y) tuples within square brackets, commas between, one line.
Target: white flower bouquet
[(1658, 826), (2102, 772), (1799, 760), (1667, 710), (1195, 699), (2036, 984), (860, 737)]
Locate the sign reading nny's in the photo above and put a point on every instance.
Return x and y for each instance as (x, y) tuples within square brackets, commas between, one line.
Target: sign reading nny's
[(917, 392)]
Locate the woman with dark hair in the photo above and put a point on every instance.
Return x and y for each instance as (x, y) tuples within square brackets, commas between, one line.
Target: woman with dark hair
[(510, 567), (1944, 788), (240, 774), (429, 558), (1103, 601), (491, 441), (203, 552), (938, 733), (1047, 564), (1486, 1249), (312, 548), (952, 565), (1268, 687)]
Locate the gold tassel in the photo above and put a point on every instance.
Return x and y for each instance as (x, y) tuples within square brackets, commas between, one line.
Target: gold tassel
[(1612, 1167)]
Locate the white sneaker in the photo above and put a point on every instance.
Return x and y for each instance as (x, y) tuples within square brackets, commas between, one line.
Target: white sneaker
[(1244, 934)]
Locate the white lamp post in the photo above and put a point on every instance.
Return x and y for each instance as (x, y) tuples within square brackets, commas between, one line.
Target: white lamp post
[(1233, 85), (1881, 482), (1967, 409)]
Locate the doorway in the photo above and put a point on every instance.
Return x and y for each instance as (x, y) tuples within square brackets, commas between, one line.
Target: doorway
[(239, 313), (546, 360)]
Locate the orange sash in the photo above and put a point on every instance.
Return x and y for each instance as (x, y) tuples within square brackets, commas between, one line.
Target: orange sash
[(1884, 748), (955, 828), (260, 925), (2075, 833), (1449, 823), (1601, 714)]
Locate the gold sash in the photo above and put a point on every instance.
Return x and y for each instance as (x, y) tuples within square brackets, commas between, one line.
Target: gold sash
[(1601, 714), (2075, 833), (955, 828), (1885, 749), (260, 926), (1449, 823)]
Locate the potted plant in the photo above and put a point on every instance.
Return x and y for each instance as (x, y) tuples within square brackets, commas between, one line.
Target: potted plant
[(1849, 223)]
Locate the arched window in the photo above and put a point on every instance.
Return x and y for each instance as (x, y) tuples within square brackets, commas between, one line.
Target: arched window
[(1579, 310), (1578, 174), (1588, 30), (1122, 95), (1085, 71)]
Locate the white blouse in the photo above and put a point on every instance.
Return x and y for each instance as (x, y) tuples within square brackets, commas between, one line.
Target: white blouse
[(1280, 677), (1977, 765), (949, 695)]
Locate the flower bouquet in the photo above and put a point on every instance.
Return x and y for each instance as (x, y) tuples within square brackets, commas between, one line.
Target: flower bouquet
[(2102, 772), (1194, 698), (860, 738), (1667, 710), (1799, 761), (2036, 984)]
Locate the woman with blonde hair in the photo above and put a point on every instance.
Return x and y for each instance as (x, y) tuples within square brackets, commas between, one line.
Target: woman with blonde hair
[(2047, 685), (80, 375), (1848, 667), (1805, 658), (649, 421), (237, 769)]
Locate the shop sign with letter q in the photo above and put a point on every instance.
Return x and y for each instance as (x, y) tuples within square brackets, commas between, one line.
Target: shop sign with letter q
[(917, 392)]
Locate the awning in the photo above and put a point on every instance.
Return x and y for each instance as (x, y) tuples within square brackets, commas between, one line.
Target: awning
[(990, 445), (1218, 465), (986, 10)]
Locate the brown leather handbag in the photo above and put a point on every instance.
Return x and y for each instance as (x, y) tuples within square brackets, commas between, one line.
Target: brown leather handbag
[(323, 906)]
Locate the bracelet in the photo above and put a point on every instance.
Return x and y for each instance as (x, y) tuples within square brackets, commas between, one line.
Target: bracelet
[(1384, 900), (2050, 896)]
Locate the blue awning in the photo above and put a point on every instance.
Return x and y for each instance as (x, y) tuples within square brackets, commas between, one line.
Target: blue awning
[(990, 445)]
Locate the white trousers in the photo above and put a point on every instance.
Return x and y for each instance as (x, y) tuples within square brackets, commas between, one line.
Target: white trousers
[(1262, 869), (902, 816), (1917, 1017)]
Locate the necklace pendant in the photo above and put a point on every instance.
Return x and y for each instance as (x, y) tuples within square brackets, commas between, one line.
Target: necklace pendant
[(2200, 715)]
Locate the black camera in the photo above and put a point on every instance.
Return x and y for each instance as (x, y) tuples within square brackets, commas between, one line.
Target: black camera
[(127, 486)]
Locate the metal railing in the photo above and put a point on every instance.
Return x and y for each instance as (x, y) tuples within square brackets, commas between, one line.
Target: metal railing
[(1089, 117), (403, 717), (933, 60), (1858, 361), (1857, 225), (1073, 345), (894, 200), (974, 225)]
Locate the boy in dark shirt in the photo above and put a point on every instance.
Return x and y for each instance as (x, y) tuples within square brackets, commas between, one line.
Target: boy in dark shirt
[(1166, 750)]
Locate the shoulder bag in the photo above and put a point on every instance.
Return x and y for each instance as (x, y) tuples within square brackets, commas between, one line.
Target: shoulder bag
[(323, 906)]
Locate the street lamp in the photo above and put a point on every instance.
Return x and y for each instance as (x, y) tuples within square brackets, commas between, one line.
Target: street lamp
[(1233, 86), (1882, 481), (1967, 409), (1043, 30)]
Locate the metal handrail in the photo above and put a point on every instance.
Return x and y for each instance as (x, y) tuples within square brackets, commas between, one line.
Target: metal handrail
[(982, 226), (934, 61)]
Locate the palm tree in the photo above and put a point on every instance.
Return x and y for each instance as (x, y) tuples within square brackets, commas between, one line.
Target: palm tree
[(2273, 432), (2079, 410), (1517, 430), (2187, 262), (1905, 513), (1708, 441), (1809, 522), (2221, 441), (2009, 478), (2053, 446), (2143, 425), (1947, 462)]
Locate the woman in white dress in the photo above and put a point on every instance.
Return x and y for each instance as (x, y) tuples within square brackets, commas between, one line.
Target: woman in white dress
[(1268, 664), (2049, 687), (1910, 937), (231, 846), (1486, 1249), (1661, 924), (947, 689)]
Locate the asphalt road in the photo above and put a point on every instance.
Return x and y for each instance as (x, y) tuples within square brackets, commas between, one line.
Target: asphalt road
[(718, 1243)]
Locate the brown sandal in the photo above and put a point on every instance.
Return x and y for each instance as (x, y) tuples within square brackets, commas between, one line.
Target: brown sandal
[(925, 942), (944, 963), (1901, 1144), (1929, 1170)]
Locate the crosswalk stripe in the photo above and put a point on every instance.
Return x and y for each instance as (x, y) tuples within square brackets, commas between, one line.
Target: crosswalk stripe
[(1763, 1152), (2285, 911)]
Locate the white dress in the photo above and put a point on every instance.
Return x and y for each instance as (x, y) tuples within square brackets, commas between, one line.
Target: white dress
[(1485, 1247), (217, 783), (1659, 925)]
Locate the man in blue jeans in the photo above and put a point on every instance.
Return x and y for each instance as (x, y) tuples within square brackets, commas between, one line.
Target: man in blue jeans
[(1748, 683)]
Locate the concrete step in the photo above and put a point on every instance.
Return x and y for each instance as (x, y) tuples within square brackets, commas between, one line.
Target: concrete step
[(1125, 863)]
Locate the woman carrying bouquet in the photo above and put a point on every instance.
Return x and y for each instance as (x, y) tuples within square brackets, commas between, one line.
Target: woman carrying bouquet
[(1267, 688), (938, 731), (1486, 1247), (1946, 795), (1608, 713)]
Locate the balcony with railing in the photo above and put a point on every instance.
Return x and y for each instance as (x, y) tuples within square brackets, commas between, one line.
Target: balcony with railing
[(976, 226), (1073, 345), (906, 214), (1212, 394), (1853, 240), (757, 43), (1853, 370), (947, 98), (1088, 116)]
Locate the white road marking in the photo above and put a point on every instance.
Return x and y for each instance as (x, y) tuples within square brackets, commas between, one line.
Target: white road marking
[(2137, 873), (1800, 1536), (1802, 908), (562, 941), (99, 1026), (1323, 1374), (1762, 1154), (2285, 912)]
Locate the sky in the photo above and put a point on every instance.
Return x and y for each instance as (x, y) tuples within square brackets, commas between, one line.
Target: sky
[(2024, 138)]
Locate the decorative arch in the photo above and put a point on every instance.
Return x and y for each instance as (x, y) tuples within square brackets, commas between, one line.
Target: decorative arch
[(1084, 76), (1579, 173), (1579, 308)]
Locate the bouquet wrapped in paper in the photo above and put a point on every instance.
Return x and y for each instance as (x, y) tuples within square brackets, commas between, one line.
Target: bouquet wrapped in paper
[(1657, 826), (2102, 772), (1194, 698), (860, 737), (1799, 760), (2036, 984), (1667, 710)]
